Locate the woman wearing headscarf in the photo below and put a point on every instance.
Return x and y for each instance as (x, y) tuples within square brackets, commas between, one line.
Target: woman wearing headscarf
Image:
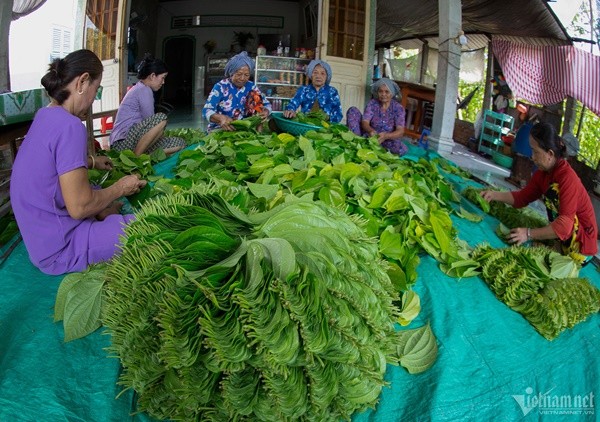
[(137, 127), (318, 95), (384, 117), (235, 97)]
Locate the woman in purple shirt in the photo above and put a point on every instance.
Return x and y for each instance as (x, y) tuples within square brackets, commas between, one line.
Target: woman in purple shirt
[(137, 127), (66, 225), (384, 117)]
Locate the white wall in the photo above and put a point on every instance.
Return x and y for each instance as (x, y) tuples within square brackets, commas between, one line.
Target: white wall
[(30, 41)]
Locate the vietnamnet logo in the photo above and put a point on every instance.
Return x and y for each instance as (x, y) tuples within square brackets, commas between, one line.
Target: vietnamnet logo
[(554, 404)]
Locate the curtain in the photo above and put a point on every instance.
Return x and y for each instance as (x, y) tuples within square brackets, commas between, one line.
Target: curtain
[(24, 7), (548, 74)]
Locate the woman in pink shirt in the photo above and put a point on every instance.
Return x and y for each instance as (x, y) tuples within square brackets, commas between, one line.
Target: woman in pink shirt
[(66, 225), (569, 208)]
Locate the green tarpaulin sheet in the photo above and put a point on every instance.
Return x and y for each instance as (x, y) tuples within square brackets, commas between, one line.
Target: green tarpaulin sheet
[(492, 365)]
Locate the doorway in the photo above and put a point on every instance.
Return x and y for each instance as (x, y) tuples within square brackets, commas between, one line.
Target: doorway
[(179, 56)]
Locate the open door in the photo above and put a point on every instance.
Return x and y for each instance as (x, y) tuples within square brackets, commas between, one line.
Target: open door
[(344, 32), (104, 35)]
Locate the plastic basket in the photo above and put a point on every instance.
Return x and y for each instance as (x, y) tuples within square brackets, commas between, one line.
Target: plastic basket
[(503, 160), (291, 127)]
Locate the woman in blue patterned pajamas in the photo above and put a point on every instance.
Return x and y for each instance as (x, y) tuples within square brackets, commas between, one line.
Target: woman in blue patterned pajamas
[(235, 97), (317, 95)]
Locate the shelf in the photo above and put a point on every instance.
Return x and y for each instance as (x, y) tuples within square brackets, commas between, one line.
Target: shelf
[(279, 78)]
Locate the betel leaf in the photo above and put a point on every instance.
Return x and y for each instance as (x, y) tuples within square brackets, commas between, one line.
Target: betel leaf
[(397, 201), (367, 155), (441, 225), (306, 147), (267, 192), (381, 194), (469, 215), (417, 349), (347, 136), (280, 254), (286, 138), (282, 169), (390, 244), (333, 194), (82, 300), (397, 277), (227, 151), (562, 266), (419, 206), (411, 306), (349, 171)]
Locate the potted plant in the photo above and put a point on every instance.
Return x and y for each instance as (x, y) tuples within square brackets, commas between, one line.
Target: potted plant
[(210, 46), (241, 39)]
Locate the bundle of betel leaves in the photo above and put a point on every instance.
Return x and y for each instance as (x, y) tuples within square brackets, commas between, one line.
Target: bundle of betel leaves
[(315, 117), (282, 315), (540, 284), (509, 216)]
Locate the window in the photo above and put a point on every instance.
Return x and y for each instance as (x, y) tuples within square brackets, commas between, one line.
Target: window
[(101, 27), (346, 36), (62, 43)]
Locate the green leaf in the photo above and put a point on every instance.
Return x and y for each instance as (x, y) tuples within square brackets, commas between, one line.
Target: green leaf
[(267, 192), (127, 161), (397, 277), (280, 254), (469, 215), (411, 306), (390, 244), (439, 223), (83, 303), (417, 349), (562, 266)]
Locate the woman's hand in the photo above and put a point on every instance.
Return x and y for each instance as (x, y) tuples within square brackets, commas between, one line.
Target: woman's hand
[(224, 121), (114, 208), (130, 184), (264, 114), (381, 137), (518, 236), (103, 163), (289, 114), (489, 195)]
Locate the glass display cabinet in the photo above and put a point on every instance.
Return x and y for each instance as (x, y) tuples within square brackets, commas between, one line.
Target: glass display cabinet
[(278, 78)]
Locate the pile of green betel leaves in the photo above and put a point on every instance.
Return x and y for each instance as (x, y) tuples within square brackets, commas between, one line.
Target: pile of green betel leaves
[(268, 278)]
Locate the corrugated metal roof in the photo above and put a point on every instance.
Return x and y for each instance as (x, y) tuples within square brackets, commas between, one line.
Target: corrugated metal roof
[(532, 20)]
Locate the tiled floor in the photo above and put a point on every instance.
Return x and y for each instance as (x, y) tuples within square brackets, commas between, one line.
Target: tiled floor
[(187, 117)]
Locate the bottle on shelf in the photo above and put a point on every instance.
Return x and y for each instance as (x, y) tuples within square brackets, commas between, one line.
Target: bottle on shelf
[(280, 49)]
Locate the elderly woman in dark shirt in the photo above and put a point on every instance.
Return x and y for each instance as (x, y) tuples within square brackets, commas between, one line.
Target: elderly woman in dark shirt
[(384, 117)]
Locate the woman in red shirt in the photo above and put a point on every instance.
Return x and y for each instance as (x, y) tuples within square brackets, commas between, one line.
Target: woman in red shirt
[(570, 210)]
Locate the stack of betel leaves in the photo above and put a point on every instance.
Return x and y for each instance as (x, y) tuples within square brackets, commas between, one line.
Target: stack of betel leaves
[(283, 315), (541, 285)]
